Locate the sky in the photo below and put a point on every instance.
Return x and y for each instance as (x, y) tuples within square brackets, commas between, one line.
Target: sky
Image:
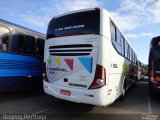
[(139, 20)]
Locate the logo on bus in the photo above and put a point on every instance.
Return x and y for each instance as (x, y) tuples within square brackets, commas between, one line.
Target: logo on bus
[(78, 85), (57, 69), (114, 65)]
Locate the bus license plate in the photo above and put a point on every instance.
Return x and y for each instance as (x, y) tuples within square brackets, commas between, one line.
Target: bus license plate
[(65, 92)]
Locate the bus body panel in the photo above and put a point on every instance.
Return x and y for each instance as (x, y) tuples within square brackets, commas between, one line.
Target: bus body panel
[(116, 76), (117, 73), (101, 46), (95, 96), (118, 66), (19, 65), (20, 83), (19, 72), (78, 73)]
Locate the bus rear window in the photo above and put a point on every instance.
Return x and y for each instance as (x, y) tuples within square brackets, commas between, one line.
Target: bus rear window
[(87, 22)]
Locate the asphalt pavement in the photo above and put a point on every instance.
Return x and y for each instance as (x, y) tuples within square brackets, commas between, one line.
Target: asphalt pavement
[(137, 105)]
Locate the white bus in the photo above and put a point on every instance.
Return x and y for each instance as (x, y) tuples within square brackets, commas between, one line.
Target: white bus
[(87, 58)]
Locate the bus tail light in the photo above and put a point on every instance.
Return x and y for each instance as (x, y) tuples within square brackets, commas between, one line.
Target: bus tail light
[(44, 72), (157, 78), (100, 78), (154, 78)]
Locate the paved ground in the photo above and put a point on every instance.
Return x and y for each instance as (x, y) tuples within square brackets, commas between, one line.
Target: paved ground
[(137, 103)]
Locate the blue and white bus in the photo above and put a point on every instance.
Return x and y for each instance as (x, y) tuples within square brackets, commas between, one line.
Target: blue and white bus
[(21, 56), (87, 58)]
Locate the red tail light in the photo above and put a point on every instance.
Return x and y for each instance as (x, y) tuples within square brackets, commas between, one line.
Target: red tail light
[(44, 72), (100, 78)]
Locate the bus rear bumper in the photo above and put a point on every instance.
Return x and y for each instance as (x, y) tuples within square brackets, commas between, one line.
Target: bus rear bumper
[(94, 96)]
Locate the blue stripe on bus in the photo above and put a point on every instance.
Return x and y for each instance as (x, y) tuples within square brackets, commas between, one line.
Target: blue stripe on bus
[(14, 72), (19, 65), (8, 56)]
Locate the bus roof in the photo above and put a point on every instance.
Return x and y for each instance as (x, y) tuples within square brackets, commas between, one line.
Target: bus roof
[(18, 27), (75, 11)]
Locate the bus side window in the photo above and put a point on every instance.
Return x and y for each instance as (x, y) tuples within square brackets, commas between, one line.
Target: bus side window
[(123, 46), (113, 32), (17, 42), (130, 54), (116, 38), (133, 57), (29, 43), (118, 42), (4, 38), (126, 49), (40, 47)]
